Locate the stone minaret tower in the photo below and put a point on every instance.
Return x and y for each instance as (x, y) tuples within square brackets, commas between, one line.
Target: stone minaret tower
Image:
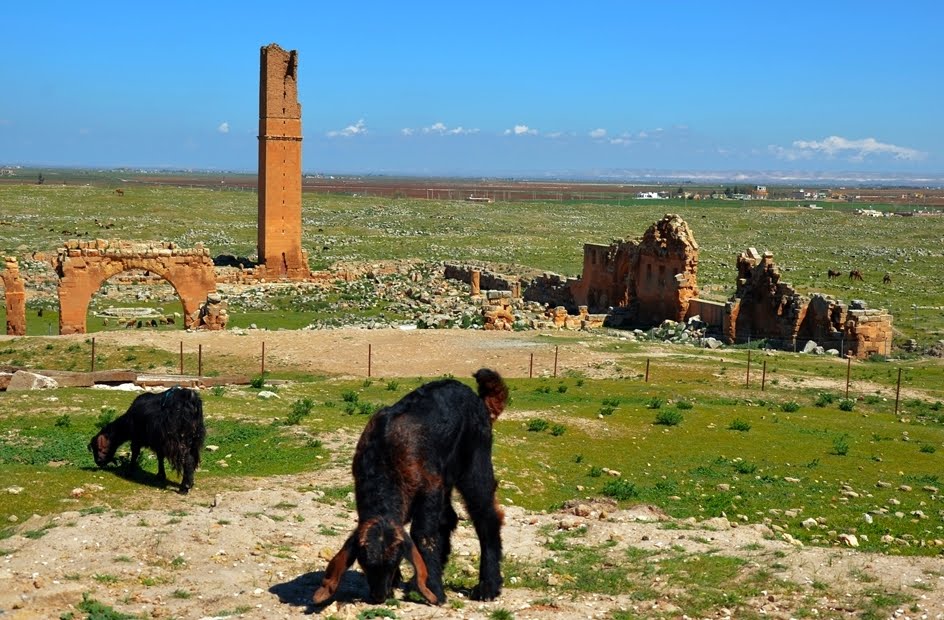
[(280, 166)]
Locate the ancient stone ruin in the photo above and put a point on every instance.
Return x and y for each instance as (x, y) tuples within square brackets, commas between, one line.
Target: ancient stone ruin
[(15, 295), (644, 281), (765, 307), (280, 167), (83, 266)]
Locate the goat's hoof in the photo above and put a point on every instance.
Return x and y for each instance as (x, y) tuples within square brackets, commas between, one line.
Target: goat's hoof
[(485, 592)]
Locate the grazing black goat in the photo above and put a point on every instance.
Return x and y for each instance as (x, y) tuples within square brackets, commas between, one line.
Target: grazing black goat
[(409, 458), (170, 423)]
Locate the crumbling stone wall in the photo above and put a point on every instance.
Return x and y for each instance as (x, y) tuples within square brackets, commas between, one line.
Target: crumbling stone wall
[(765, 307), (83, 266), (488, 280), (15, 294), (651, 279), (280, 167)]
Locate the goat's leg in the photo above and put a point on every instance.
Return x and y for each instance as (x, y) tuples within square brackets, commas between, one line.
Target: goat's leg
[(160, 466), (477, 486), (448, 521), (190, 464), (425, 532), (135, 453)]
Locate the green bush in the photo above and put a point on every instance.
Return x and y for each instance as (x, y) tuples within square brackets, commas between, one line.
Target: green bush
[(668, 418), (258, 382), (106, 416), (349, 396), (790, 406), (217, 390), (684, 404), (841, 446), (537, 425), (595, 472), (655, 403), (743, 467), (300, 409), (63, 421), (606, 410), (737, 424), (824, 398), (558, 429), (928, 449), (561, 388), (846, 404), (620, 489)]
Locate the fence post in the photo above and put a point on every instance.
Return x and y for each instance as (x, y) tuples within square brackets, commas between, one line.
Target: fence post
[(748, 382), (555, 361), (848, 372), (262, 372), (647, 370), (181, 357), (200, 360), (531, 368), (370, 357), (93, 354), (763, 377), (897, 391)]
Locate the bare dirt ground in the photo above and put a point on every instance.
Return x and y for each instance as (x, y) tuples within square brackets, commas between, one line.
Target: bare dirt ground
[(258, 550)]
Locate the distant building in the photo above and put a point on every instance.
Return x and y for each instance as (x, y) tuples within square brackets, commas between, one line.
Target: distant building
[(760, 192)]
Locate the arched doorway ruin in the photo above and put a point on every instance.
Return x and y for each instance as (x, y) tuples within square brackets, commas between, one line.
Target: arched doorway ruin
[(83, 266), (14, 291)]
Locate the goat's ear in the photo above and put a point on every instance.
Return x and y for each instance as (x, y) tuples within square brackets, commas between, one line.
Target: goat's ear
[(101, 442), (336, 567), (413, 555)]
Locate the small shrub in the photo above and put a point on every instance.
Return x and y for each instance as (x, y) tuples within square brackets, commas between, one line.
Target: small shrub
[(367, 382), (367, 408), (376, 612), (824, 398), (578, 458), (847, 404), (543, 389), (737, 424), (392, 386), (537, 425), (349, 396), (579, 382), (684, 404), (595, 472), (928, 449), (937, 406), (654, 403), (300, 409), (743, 467), (620, 489), (106, 416), (606, 410), (872, 399), (611, 402), (64, 421), (790, 406), (668, 418), (217, 390), (558, 429), (501, 614), (841, 446), (258, 382), (561, 389)]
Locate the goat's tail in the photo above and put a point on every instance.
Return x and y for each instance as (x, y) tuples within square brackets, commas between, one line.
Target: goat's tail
[(493, 391)]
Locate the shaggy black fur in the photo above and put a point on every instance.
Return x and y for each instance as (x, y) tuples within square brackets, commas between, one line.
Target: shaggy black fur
[(408, 460), (170, 423)]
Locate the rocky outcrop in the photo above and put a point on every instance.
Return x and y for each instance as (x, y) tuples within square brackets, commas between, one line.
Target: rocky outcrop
[(15, 295)]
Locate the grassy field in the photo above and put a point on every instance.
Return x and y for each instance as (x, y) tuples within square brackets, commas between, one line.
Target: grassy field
[(686, 441), (535, 235)]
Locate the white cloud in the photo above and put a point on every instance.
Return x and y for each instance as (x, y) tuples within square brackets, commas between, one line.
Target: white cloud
[(598, 133), (439, 128), (837, 146), (442, 129), (521, 130), (357, 129), (223, 128), (406, 131)]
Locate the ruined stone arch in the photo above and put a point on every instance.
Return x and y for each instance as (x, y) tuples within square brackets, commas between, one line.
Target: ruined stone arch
[(83, 266)]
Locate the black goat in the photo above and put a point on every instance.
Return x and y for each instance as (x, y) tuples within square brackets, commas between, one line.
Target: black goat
[(170, 423), (409, 458)]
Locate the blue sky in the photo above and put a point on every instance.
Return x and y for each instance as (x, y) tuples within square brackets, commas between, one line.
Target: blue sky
[(483, 88)]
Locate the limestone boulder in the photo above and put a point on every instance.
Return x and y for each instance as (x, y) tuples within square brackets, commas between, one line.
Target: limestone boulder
[(23, 380)]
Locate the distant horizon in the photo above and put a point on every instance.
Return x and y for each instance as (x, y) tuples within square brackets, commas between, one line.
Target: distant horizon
[(641, 177), (525, 89)]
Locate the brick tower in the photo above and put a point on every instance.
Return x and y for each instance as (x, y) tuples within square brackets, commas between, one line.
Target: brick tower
[(280, 165)]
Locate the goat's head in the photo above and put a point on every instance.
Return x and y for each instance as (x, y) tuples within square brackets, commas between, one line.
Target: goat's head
[(379, 545), (102, 448)]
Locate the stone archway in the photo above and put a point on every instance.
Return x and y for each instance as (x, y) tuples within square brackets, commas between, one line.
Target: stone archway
[(83, 266), (15, 295)]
